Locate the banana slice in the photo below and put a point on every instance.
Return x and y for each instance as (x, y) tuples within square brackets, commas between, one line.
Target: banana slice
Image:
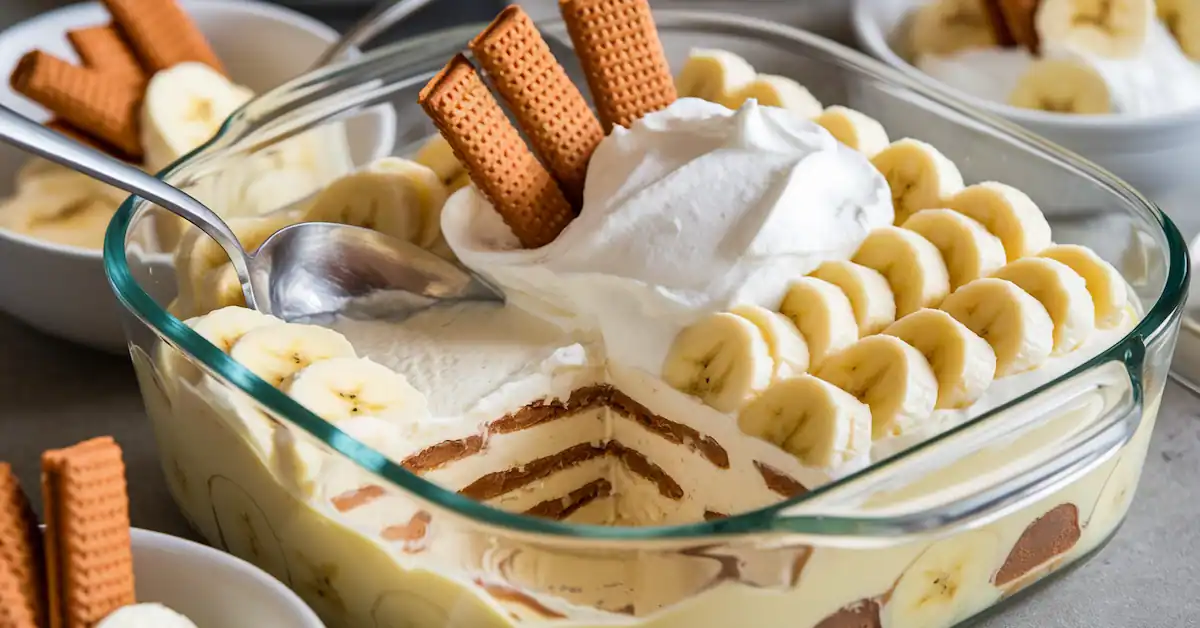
[(1182, 18), (789, 350), (713, 75), (1062, 85), (224, 327), (820, 424), (72, 221), (1007, 213), (868, 291), (963, 362), (776, 91), (824, 316), (199, 259), (437, 155), (1062, 292), (948, 582), (723, 359), (393, 196), (854, 129), (1104, 282), (919, 175), (1008, 318), (277, 352), (968, 250), (944, 27), (338, 389), (1105, 28), (891, 377), (912, 265), (184, 106)]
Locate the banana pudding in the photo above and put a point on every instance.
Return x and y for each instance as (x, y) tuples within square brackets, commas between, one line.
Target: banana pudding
[(147, 93), (1064, 56), (721, 295)]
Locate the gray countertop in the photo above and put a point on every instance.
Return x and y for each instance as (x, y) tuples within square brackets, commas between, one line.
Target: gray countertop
[(53, 394)]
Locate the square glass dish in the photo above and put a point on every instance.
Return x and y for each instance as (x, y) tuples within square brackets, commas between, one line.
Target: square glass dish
[(929, 537)]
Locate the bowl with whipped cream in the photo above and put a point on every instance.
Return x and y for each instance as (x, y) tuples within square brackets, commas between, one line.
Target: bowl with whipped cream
[(1119, 83), (52, 220), (801, 342)]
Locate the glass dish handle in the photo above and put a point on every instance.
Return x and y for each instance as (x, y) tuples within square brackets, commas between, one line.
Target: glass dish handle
[(910, 496)]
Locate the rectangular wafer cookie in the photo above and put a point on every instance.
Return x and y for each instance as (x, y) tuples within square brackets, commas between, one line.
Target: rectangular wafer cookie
[(89, 559), (22, 586), (65, 128), (103, 48), (622, 56), (546, 103), (161, 33), (82, 97), (1019, 17), (500, 164)]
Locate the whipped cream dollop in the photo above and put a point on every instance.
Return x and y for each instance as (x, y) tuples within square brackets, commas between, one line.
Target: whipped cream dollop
[(692, 210), (1160, 79), (147, 615)]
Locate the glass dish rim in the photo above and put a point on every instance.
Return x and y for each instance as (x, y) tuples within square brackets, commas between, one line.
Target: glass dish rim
[(1154, 323)]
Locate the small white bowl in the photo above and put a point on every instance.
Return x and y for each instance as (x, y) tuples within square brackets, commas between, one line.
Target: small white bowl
[(212, 588), (1155, 154), (62, 290)]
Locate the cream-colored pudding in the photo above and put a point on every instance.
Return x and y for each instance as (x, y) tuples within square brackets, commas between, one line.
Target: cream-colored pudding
[(556, 405)]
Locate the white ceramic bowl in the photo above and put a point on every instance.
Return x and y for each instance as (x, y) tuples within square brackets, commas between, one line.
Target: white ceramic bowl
[(62, 290), (212, 588), (1156, 154)]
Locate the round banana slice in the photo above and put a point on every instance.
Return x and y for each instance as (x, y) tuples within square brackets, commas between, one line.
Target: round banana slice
[(919, 175), (224, 327), (963, 362), (912, 265), (1062, 86), (1182, 19), (944, 27), (824, 316), (820, 424), (183, 107), (713, 75), (437, 155), (1062, 292), (776, 91), (868, 290), (1007, 213), (891, 377), (276, 352), (1104, 282), (394, 196), (789, 350), (854, 129), (1105, 28), (339, 389), (947, 583), (723, 359), (1008, 318), (968, 250)]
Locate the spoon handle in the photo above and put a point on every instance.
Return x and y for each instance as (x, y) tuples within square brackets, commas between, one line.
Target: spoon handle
[(32, 137), (380, 18)]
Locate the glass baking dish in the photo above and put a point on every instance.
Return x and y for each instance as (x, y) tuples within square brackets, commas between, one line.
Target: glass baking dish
[(930, 537)]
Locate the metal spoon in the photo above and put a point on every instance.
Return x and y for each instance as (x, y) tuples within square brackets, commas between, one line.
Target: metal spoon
[(301, 271)]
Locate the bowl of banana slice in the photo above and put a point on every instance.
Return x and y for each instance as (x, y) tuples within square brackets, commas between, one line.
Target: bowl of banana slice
[(52, 220), (1118, 83)]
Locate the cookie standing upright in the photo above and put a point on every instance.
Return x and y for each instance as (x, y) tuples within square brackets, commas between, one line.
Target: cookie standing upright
[(622, 56), (500, 164), (22, 596), (548, 106), (89, 554)]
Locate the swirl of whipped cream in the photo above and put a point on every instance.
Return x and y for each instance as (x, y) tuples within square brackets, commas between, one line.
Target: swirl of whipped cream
[(692, 210)]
